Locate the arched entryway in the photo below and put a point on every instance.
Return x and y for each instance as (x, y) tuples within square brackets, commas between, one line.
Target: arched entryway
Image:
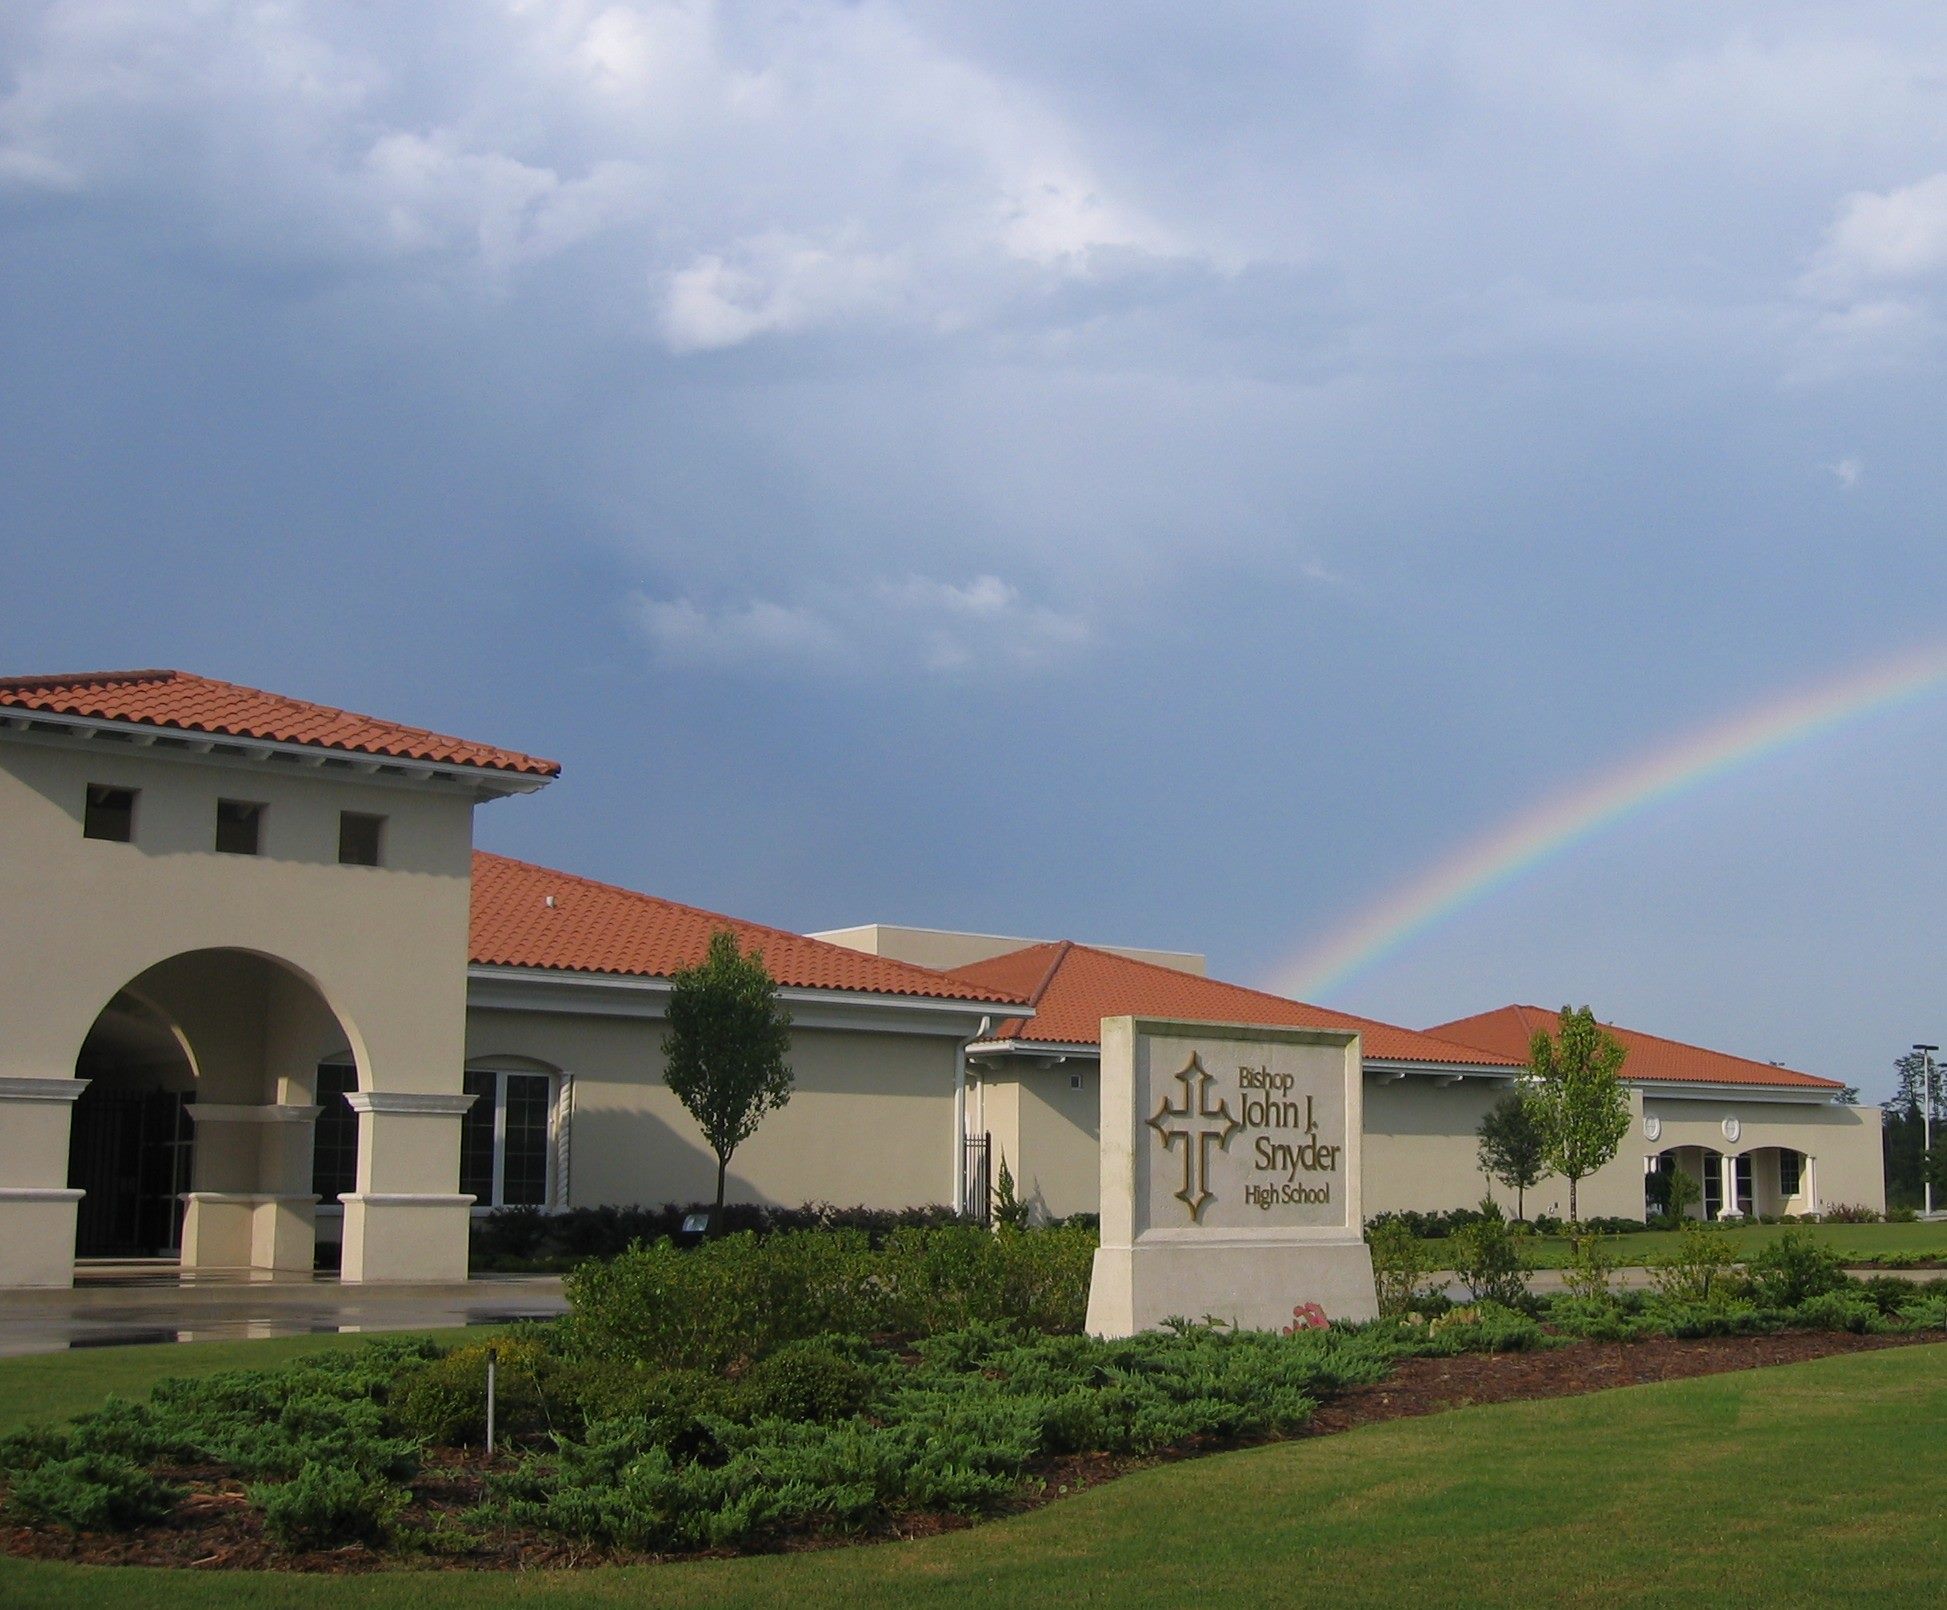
[(192, 1138), (132, 1138)]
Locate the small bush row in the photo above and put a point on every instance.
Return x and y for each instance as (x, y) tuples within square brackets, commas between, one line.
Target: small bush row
[(525, 1238), (740, 1297)]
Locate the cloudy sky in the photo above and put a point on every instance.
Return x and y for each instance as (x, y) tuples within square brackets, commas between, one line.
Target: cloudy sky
[(1137, 472)]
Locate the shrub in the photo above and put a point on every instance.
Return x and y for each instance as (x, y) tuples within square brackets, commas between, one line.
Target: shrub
[(806, 1381), (1400, 1265), (1793, 1268), (1889, 1293), (324, 1506), (740, 1298), (526, 1238), (445, 1400), (1839, 1310), (1490, 1260), (1850, 1213), (1699, 1269), (1902, 1215), (1487, 1327), (1589, 1266), (95, 1492)]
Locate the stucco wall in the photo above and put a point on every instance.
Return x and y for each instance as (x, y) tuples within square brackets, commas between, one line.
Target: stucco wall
[(870, 1118), (386, 946), (1421, 1150)]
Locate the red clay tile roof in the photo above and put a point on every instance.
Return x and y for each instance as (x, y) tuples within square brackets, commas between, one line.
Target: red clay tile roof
[(1073, 987), (187, 703), (599, 928), (1510, 1030)]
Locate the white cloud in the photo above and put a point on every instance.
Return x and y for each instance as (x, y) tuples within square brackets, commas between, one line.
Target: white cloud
[(775, 284), (981, 627), (1847, 471), (1884, 235)]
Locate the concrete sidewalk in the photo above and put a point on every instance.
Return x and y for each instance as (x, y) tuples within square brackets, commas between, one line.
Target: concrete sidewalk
[(129, 1304)]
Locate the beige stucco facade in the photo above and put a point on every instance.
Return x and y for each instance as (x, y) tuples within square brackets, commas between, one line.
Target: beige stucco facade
[(1421, 1151), (871, 1117), (256, 965)]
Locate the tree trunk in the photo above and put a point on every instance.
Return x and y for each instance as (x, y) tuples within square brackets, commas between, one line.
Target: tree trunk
[(716, 1214), (1573, 1216), (1520, 1197)]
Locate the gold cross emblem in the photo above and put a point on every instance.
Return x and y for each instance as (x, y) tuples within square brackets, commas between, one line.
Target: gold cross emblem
[(1196, 1126)]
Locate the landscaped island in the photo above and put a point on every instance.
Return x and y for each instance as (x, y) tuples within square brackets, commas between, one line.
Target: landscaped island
[(757, 1393)]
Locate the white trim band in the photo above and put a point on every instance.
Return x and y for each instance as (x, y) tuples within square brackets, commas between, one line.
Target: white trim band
[(38, 1193), (244, 1198), (404, 1199), (218, 1112), (29, 1088), (408, 1103)]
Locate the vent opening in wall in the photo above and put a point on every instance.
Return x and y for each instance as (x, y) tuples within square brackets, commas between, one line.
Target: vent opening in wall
[(1074, 1081)]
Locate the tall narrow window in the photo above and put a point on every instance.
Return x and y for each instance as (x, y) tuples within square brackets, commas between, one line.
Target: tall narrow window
[(361, 838), (1789, 1169), (505, 1138), (334, 1141), (477, 1127), (239, 826), (110, 814)]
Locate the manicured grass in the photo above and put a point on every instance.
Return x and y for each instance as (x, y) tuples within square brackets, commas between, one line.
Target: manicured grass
[(1862, 1242), (1796, 1486)]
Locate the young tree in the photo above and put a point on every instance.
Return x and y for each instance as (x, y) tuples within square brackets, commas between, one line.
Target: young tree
[(1904, 1128), (724, 1052), (1579, 1104), (1512, 1149)]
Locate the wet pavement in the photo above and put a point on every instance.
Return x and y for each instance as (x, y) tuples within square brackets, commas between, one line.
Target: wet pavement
[(128, 1304)]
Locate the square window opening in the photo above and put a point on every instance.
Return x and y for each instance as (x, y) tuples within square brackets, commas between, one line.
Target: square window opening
[(110, 814), (361, 838), (239, 826)]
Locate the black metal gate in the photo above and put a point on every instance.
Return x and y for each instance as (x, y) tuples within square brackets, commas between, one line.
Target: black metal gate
[(977, 1174), (130, 1154)]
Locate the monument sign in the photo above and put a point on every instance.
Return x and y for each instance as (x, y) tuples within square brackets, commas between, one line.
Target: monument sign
[(1230, 1177)]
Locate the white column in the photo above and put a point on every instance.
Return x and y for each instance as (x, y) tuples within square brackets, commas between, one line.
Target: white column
[(252, 1206), (406, 1221), (1727, 1167), (564, 1112), (1811, 1184), (37, 1206)]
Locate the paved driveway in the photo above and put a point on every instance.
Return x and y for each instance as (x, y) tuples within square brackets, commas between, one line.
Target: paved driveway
[(115, 1309)]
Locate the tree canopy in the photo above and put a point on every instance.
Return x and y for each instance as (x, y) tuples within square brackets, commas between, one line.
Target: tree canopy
[(724, 1052), (1512, 1147), (1579, 1103)]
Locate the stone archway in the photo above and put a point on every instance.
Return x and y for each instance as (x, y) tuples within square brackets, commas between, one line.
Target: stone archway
[(193, 1134)]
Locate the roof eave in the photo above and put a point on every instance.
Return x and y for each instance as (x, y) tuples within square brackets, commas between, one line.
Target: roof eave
[(493, 782)]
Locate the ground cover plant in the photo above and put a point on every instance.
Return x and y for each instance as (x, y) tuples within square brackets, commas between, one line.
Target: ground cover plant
[(755, 1393), (1428, 1510)]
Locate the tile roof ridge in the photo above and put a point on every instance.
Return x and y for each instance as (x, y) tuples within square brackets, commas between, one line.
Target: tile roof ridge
[(1522, 1012), (1282, 1000), (1063, 949), (93, 679), (745, 923)]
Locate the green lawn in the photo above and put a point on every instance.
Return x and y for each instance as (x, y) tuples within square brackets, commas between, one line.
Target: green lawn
[(1861, 1242), (1797, 1486)]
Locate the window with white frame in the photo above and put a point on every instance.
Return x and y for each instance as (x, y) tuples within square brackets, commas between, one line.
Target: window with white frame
[(1790, 1165), (506, 1137)]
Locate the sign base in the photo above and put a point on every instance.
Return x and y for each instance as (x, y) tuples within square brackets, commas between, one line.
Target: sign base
[(1242, 1283)]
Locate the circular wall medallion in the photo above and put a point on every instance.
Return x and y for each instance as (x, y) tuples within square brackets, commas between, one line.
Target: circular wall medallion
[(1652, 1126), (1732, 1129)]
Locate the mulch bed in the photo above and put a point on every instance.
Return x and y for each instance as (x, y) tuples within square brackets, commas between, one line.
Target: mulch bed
[(216, 1527)]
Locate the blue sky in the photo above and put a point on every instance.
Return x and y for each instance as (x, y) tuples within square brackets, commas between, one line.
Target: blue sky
[(1143, 473)]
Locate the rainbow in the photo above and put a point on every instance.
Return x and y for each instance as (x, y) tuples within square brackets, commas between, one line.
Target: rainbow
[(1495, 860)]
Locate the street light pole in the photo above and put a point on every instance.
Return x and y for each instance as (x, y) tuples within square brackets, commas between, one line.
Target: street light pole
[(1926, 1130)]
